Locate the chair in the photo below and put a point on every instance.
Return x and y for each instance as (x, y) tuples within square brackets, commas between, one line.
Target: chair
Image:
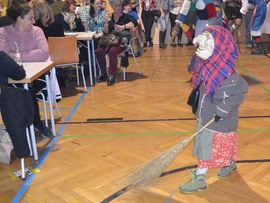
[(53, 98), (129, 51), (64, 52)]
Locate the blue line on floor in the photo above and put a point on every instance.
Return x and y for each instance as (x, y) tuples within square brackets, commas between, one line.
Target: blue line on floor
[(47, 150), (60, 108)]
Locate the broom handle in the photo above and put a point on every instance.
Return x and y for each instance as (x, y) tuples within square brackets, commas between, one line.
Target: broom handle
[(202, 128)]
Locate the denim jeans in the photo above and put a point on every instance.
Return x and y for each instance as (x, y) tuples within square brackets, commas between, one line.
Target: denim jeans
[(248, 26)]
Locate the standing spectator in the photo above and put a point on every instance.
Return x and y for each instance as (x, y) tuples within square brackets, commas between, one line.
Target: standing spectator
[(149, 11), (175, 10), (257, 22), (266, 25), (248, 19), (232, 12), (163, 20)]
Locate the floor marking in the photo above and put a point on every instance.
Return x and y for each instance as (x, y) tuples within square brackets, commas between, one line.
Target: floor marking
[(46, 151)]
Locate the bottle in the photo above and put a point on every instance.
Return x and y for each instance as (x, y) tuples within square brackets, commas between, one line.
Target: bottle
[(18, 57)]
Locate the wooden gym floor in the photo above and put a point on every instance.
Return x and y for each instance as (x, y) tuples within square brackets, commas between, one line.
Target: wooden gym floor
[(110, 130)]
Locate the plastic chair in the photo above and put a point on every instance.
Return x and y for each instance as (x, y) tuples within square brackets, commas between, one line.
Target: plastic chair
[(64, 52)]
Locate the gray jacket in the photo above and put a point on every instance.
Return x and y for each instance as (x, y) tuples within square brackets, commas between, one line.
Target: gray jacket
[(225, 103)]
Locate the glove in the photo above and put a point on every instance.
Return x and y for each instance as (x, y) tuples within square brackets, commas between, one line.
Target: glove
[(217, 118)]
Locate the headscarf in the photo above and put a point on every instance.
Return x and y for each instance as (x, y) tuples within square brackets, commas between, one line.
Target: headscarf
[(211, 73)]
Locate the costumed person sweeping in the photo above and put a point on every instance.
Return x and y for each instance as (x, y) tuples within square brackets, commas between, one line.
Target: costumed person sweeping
[(258, 18), (222, 90)]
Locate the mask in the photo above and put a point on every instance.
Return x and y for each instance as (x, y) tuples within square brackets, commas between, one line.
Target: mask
[(205, 45)]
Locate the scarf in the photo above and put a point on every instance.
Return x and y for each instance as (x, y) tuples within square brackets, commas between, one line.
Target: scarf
[(210, 73)]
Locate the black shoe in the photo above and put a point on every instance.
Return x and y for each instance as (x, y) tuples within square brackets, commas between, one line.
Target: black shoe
[(180, 44), (103, 78), (111, 81), (173, 44), (145, 44), (257, 52), (45, 131), (150, 44)]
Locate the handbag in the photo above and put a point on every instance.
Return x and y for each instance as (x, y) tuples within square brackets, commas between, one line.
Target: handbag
[(109, 39), (6, 146), (193, 99)]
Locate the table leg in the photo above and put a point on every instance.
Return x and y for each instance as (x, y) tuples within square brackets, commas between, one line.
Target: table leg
[(89, 61), (22, 169), (50, 103), (32, 135), (94, 59)]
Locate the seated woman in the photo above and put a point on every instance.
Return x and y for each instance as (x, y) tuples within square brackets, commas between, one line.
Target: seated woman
[(72, 21), (96, 17), (117, 23), (15, 115), (32, 45), (52, 25)]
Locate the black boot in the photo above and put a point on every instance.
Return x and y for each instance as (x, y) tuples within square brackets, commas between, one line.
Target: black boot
[(111, 80), (258, 50), (162, 35), (179, 36)]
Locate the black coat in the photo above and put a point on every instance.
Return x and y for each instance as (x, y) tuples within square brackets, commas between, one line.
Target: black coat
[(16, 105), (55, 29), (5, 21)]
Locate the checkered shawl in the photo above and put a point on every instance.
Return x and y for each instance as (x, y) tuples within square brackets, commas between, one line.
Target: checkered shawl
[(210, 73)]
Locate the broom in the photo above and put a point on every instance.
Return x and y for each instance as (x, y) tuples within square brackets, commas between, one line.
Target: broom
[(144, 175), (174, 33)]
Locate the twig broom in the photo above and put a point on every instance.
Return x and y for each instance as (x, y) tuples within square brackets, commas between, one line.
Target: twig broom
[(144, 175)]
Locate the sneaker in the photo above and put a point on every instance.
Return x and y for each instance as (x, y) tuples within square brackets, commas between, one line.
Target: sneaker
[(196, 183), (150, 44), (227, 170), (173, 44), (249, 45), (257, 51), (45, 131)]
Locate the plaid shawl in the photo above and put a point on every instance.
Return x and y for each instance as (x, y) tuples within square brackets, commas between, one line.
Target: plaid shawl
[(220, 65)]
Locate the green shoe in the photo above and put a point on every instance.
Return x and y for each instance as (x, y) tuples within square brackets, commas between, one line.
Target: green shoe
[(227, 170), (196, 183)]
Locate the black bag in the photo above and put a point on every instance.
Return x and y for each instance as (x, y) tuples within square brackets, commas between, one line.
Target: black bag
[(17, 107), (193, 99), (109, 39), (124, 37)]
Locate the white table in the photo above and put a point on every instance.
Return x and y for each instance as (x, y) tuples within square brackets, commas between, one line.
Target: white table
[(88, 37), (33, 71)]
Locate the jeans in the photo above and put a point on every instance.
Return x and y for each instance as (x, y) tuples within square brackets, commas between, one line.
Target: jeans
[(148, 19), (112, 53), (163, 22), (248, 25)]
